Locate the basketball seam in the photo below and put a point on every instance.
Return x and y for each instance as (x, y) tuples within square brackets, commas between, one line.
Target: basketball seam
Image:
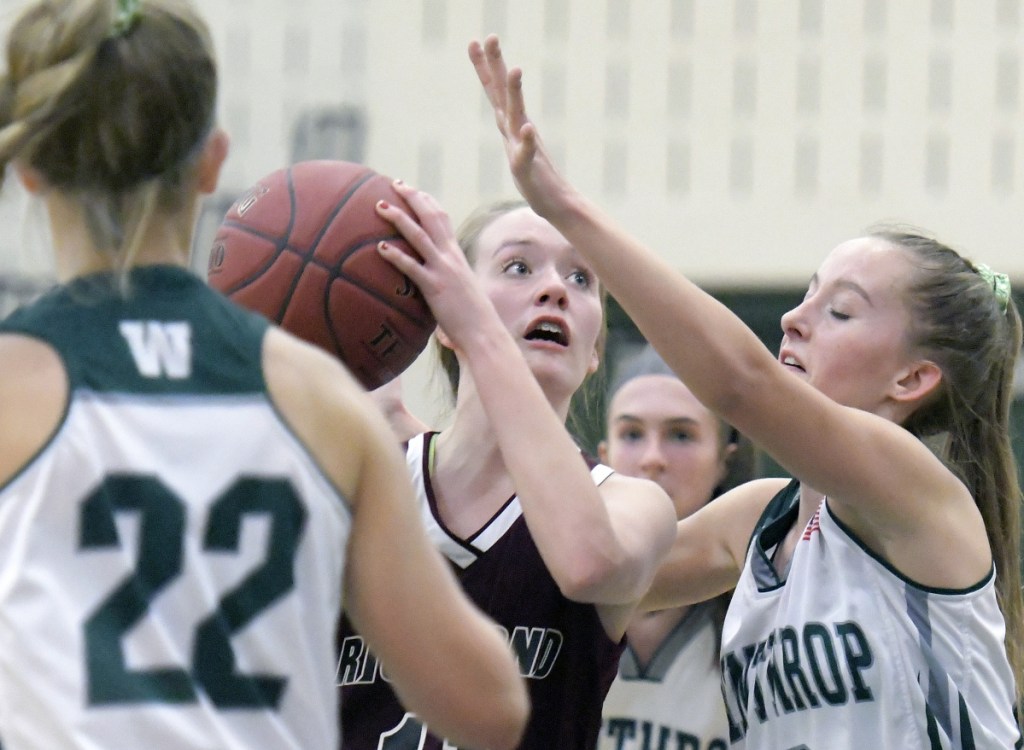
[(336, 268), (287, 245), (283, 243)]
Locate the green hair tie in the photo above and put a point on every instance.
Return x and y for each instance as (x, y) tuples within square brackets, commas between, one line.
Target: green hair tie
[(999, 282), (125, 16)]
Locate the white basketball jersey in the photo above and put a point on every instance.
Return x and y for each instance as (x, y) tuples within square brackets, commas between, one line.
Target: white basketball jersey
[(675, 702), (848, 653), (171, 561)]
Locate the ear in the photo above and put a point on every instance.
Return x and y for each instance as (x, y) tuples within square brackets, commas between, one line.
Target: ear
[(724, 462), (602, 451), (215, 151), (29, 178), (918, 382), (595, 362)]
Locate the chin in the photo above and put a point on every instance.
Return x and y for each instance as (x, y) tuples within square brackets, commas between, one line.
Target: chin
[(556, 382)]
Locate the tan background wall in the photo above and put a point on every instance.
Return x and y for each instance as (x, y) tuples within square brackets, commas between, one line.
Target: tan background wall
[(741, 138)]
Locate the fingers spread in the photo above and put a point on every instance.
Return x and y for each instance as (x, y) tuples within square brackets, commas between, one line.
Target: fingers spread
[(476, 56), (516, 104), (495, 60)]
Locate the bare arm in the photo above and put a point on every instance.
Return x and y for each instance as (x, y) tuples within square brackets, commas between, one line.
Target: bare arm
[(595, 552), (33, 396), (404, 423), (466, 686), (710, 547), (884, 481)]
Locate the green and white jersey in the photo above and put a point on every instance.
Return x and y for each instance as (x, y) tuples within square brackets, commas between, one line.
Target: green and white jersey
[(171, 561), (675, 701), (844, 652)]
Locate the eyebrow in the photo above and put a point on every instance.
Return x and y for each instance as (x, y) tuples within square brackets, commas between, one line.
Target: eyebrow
[(853, 286), (514, 242), (669, 421)]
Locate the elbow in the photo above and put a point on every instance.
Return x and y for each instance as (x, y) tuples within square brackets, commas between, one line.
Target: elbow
[(617, 573), (509, 721), (595, 577), (492, 714)]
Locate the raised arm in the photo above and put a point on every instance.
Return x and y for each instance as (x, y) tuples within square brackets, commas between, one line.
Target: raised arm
[(466, 685), (594, 550), (885, 477), (705, 562)]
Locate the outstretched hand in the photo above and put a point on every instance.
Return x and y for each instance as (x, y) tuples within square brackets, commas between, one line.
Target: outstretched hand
[(535, 176)]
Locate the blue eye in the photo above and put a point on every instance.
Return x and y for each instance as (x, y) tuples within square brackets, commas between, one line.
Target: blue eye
[(679, 436), (581, 278), (516, 267), (631, 435)]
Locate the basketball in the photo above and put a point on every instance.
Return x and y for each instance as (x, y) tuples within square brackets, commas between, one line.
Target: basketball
[(300, 247)]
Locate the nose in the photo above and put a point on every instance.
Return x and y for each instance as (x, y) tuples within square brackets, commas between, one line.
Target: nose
[(652, 460), (553, 290), (794, 322)]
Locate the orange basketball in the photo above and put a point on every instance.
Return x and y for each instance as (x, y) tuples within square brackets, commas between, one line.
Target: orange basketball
[(300, 247)]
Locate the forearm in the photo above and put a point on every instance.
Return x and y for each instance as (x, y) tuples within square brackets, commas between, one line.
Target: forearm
[(563, 507), (732, 362)]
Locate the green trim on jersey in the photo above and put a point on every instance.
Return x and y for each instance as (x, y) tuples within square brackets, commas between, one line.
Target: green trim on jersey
[(169, 334)]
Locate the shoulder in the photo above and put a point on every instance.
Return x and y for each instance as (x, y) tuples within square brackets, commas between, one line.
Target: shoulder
[(22, 352), (642, 505), (310, 386), (29, 365), (33, 398), (757, 493), (748, 502), (615, 486), (325, 406), (744, 508)]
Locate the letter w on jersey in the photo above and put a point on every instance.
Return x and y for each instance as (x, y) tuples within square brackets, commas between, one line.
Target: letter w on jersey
[(159, 349)]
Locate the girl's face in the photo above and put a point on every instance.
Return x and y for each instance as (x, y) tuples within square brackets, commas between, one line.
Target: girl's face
[(658, 430), (848, 338), (546, 295)]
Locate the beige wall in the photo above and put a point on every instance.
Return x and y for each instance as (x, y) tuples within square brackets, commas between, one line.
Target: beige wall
[(741, 138)]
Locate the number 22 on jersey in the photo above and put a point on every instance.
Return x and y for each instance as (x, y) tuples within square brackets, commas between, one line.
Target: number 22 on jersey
[(162, 526)]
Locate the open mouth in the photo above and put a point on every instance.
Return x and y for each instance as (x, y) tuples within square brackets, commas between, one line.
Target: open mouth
[(547, 330), (791, 362)]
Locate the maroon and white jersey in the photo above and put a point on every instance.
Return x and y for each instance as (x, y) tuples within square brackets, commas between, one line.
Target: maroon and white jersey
[(564, 653)]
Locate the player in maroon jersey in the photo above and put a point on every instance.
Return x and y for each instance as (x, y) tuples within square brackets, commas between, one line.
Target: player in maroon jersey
[(556, 550)]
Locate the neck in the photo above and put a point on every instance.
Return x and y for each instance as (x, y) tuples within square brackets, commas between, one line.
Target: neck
[(165, 239), (810, 499), (468, 445), (467, 398)]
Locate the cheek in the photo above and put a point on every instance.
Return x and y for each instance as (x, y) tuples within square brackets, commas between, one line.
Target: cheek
[(858, 367), (689, 493), (505, 307), (698, 470), (624, 457), (591, 321)]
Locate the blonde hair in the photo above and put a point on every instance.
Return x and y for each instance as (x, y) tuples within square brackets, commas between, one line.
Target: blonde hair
[(112, 115), (468, 234)]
